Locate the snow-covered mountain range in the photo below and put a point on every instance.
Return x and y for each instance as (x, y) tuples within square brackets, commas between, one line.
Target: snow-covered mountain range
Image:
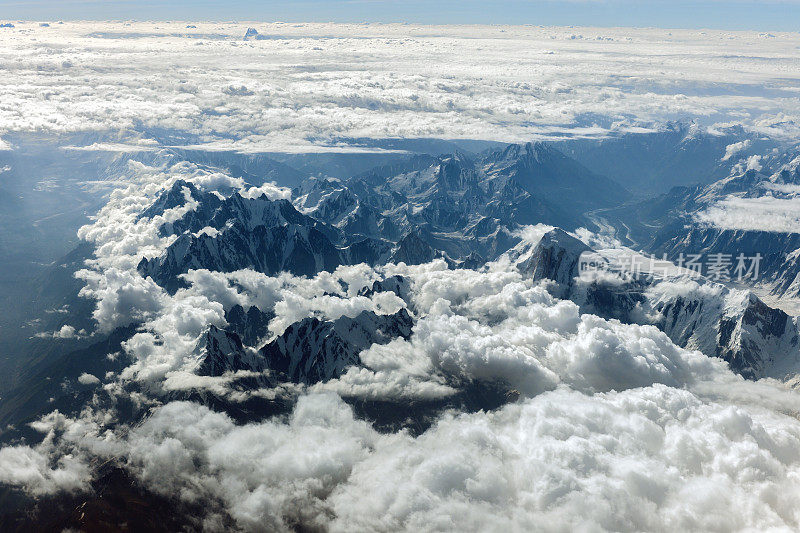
[(470, 209), (753, 213), (433, 284), (453, 206), (733, 324)]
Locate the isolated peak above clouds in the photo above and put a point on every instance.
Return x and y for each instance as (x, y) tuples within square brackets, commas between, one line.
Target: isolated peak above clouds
[(317, 87)]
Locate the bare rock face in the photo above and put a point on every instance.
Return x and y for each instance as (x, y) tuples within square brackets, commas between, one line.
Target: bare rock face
[(311, 350), (223, 351), (556, 257)]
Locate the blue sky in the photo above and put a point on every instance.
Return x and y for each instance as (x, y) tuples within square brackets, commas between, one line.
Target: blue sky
[(781, 15)]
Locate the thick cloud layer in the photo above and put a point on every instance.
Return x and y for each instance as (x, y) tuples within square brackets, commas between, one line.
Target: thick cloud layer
[(648, 459), (654, 458), (754, 214), (309, 87), (517, 334)]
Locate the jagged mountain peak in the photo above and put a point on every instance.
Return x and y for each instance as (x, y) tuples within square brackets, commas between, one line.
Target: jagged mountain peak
[(268, 235), (546, 173), (220, 351), (314, 350), (555, 256), (316, 184), (790, 175), (413, 249), (397, 284), (173, 197), (457, 160), (737, 183), (252, 325), (513, 153)]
